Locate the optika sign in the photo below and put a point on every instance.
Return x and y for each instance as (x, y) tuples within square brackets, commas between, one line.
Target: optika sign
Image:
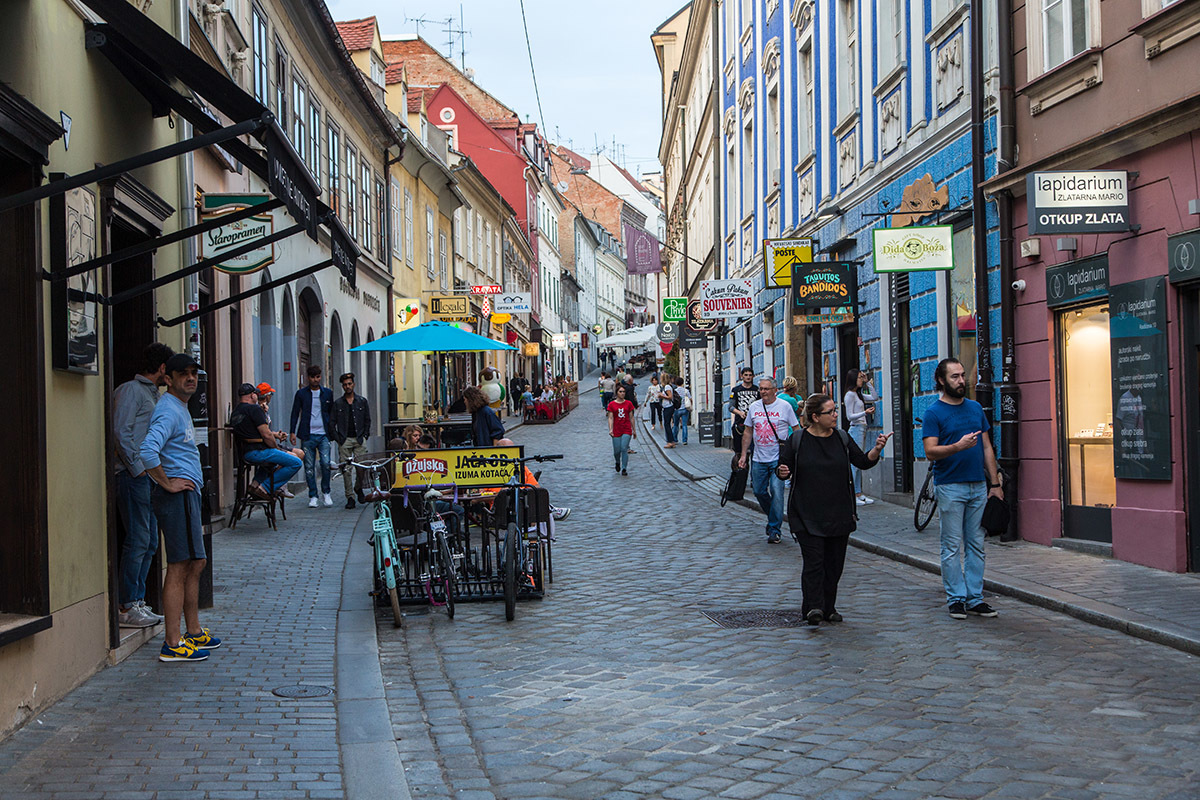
[(727, 299), (1078, 202), (425, 466)]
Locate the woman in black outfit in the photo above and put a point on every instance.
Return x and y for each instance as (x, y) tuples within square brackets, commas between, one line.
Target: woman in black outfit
[(821, 511)]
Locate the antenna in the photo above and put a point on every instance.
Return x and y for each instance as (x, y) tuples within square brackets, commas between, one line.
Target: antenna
[(458, 35), (419, 21)]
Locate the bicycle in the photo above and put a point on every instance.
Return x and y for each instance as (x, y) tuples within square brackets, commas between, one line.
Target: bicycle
[(383, 539), (926, 503), (440, 577), (516, 557)]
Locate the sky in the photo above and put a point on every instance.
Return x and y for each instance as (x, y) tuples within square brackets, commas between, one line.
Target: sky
[(596, 71)]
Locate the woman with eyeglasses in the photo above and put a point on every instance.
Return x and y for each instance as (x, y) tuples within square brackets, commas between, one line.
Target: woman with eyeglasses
[(821, 508)]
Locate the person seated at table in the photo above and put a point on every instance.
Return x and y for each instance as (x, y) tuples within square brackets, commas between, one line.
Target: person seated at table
[(273, 465), (527, 399), (547, 395), (410, 436), (486, 428), (265, 394)]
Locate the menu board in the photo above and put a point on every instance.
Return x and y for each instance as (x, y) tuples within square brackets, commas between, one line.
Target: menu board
[(1141, 397)]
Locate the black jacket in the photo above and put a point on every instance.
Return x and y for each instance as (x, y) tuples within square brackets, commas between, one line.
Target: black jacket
[(341, 418), (822, 497)]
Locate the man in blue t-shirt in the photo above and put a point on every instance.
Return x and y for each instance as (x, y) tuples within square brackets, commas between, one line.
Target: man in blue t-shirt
[(955, 433)]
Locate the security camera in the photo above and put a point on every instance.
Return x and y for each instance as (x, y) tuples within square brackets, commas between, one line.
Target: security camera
[(1018, 285)]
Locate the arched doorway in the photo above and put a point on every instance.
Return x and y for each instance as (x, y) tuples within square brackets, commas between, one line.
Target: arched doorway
[(310, 334), (337, 350), (287, 350), (269, 339), (356, 358), (371, 384)]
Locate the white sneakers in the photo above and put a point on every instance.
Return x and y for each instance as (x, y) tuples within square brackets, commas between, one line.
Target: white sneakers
[(328, 500), (560, 514), (139, 615), (863, 500), (312, 502)]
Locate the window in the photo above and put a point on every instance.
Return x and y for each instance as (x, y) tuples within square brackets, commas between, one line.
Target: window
[(300, 118), (1064, 30), (807, 113), (891, 35), (365, 212), (487, 246), (847, 59), (335, 172), (478, 241), (351, 219), (408, 228), (962, 302), (773, 141), (380, 219), (281, 86), (378, 72), (397, 211), (730, 198), (262, 72), (1086, 381), (941, 9), (470, 238), (429, 240), (747, 169), (731, 29), (442, 259)]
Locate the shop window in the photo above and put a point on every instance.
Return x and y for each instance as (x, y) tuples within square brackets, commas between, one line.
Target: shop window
[(1087, 406), (962, 305)]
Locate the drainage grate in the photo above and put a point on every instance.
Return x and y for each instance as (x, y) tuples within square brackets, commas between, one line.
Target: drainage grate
[(302, 691), (757, 618)]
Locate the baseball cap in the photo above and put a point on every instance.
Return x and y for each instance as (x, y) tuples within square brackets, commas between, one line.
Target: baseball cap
[(245, 389), (180, 362), (265, 388)]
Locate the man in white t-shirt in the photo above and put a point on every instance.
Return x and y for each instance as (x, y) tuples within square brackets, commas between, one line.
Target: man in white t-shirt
[(769, 421)]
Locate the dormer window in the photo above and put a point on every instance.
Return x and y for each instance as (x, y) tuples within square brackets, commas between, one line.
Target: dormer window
[(378, 71)]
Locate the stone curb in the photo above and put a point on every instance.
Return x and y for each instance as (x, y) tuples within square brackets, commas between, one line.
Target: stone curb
[(371, 764), (1104, 615)]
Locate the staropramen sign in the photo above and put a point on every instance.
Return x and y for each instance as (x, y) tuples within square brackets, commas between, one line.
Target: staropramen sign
[(235, 234)]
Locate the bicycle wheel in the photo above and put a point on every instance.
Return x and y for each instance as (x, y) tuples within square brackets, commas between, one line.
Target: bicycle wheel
[(448, 578), (926, 504), (512, 540), (386, 558)]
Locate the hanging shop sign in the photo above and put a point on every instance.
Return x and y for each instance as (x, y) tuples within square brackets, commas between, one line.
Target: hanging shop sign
[(667, 332), (1076, 282), (449, 307), (695, 322), (726, 299), (823, 319), (823, 284), (1141, 398), (289, 180), (674, 309), (490, 288), (692, 340), (1183, 254), (235, 234), (408, 313), (482, 466), (642, 251), (916, 249), (781, 257), (498, 320), (1078, 202), (514, 303), (558, 341), (75, 331), (575, 337)]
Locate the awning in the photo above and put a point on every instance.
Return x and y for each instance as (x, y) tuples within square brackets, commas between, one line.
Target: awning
[(631, 337), (152, 60)]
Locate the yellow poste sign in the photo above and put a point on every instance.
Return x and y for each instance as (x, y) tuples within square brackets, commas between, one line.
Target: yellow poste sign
[(476, 466), (781, 255)]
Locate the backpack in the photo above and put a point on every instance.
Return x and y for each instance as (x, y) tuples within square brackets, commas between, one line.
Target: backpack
[(676, 400), (844, 437)]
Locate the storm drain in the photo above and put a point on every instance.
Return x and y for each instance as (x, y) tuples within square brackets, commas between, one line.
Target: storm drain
[(302, 691), (757, 618)]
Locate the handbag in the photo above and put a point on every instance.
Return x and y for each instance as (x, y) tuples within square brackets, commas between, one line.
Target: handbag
[(735, 487), (995, 516), (687, 402)]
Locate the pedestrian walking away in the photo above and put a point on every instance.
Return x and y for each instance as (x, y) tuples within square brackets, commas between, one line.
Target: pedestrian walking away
[(857, 409), (740, 398), (170, 456), (311, 423), (789, 392), (620, 428), (274, 466), (768, 422), (607, 388), (351, 429), (956, 434), (683, 412), (821, 510), (654, 400), (133, 405), (668, 407)]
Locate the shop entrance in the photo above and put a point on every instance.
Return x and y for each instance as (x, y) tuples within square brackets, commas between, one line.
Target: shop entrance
[(1089, 488), (308, 335), (847, 360), (1191, 402)]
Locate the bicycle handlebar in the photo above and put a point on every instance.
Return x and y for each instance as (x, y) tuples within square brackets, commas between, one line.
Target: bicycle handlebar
[(371, 465)]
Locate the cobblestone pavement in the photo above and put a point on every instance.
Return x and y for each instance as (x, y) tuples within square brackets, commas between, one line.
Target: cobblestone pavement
[(617, 686), (144, 729)]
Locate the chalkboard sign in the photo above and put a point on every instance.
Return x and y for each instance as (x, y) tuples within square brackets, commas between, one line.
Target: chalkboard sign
[(1141, 398), (707, 426)]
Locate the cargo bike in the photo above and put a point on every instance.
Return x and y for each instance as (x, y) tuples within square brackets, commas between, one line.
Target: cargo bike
[(458, 525)]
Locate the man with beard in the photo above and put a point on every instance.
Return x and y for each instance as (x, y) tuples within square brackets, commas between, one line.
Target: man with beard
[(955, 432)]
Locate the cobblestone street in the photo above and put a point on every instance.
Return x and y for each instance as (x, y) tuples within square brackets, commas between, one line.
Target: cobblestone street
[(617, 686)]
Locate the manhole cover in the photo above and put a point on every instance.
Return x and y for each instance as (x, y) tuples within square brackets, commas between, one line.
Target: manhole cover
[(302, 691), (757, 618)]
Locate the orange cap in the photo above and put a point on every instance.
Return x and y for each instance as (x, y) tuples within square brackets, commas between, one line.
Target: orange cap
[(265, 388)]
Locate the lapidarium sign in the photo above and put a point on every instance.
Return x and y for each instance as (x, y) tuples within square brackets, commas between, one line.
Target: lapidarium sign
[(1078, 202)]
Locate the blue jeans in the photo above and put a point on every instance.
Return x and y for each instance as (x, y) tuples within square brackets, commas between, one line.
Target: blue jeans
[(859, 434), (314, 446), (621, 450), (141, 535), (668, 414), (679, 424), (960, 513), (286, 465), (768, 489)]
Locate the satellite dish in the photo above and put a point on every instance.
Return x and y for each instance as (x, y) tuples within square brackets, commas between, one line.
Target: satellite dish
[(563, 186)]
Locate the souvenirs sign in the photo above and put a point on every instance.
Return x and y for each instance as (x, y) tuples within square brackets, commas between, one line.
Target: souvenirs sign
[(481, 466), (1078, 202), (781, 257), (823, 284), (726, 299), (914, 249)]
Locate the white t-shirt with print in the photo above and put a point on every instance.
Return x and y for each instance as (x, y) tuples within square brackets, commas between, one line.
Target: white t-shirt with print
[(770, 424)]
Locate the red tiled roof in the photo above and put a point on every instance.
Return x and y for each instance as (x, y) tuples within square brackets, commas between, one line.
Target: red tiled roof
[(394, 72), (358, 34), (636, 184), (415, 96), (574, 159), (397, 49)]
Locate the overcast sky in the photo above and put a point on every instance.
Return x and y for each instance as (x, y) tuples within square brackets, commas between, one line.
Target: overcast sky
[(596, 70)]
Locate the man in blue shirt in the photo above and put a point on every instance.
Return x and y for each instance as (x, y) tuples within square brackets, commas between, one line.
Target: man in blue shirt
[(312, 409), (171, 459), (955, 433)]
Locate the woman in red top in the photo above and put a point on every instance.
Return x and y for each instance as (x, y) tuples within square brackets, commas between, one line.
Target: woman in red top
[(620, 428)]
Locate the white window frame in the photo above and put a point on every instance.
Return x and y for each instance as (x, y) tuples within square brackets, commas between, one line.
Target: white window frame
[(397, 217), (442, 258), (261, 40), (335, 167), (429, 230), (849, 27), (1068, 29), (364, 194), (408, 229), (351, 218), (1036, 55)]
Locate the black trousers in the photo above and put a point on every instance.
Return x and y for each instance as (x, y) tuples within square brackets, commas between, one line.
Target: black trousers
[(656, 416), (824, 560)]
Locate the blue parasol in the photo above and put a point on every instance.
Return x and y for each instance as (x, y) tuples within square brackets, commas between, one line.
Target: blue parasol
[(433, 337)]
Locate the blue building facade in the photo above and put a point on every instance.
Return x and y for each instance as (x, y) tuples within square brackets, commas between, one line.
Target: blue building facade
[(840, 117)]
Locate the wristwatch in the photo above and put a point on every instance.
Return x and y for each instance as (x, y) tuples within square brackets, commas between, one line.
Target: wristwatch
[(993, 486)]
